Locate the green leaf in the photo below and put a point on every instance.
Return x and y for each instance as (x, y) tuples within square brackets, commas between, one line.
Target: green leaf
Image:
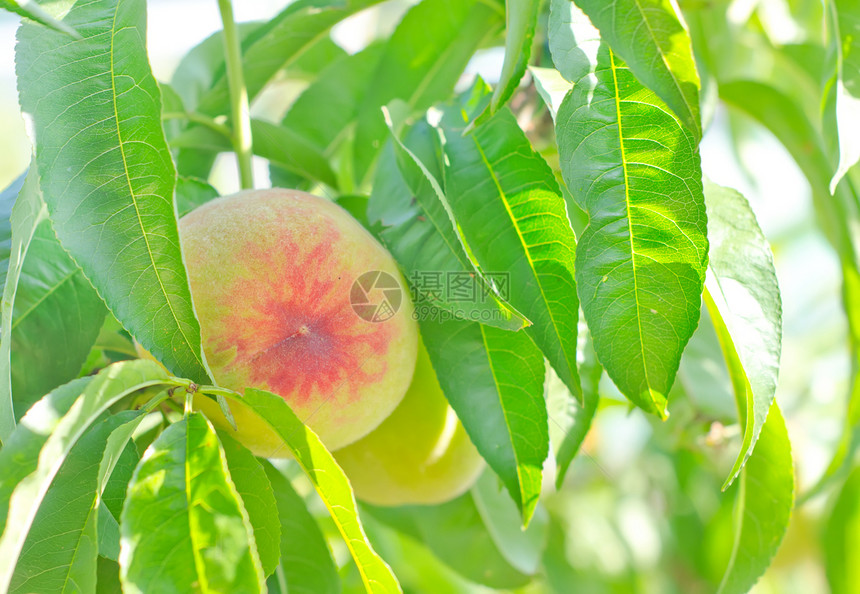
[(26, 214), (522, 548), (56, 320), (763, 510), (306, 561), (744, 303), (508, 204), (649, 37), (31, 10), (456, 533), (520, 22), (279, 145), (551, 86), (493, 380), (847, 42), (422, 61), (421, 234), (7, 202), (279, 44), (106, 172), (35, 452), (60, 552), (842, 538), (338, 93), (198, 70), (329, 481), (575, 419), (641, 261), (183, 525), (191, 193), (254, 488)]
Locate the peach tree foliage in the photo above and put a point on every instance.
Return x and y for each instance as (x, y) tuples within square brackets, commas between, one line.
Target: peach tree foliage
[(576, 175)]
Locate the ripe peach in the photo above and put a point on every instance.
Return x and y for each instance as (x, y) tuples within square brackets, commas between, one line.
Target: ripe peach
[(271, 274), (419, 455)]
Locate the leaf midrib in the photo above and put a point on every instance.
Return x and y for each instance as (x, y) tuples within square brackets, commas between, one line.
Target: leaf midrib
[(515, 222), (616, 94), (127, 175)]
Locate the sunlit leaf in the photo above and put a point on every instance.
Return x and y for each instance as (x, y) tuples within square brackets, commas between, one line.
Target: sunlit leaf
[(649, 37), (33, 455), (184, 528), (419, 230), (329, 481), (508, 204), (744, 303), (106, 172), (634, 167), (61, 551)]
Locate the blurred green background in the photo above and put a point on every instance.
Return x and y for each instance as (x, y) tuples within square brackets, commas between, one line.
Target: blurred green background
[(641, 509)]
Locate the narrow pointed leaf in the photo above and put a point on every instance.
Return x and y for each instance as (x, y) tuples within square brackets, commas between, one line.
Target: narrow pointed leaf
[(763, 509), (423, 60), (421, 233), (56, 320), (456, 534), (7, 202), (192, 192), (493, 380), (648, 35), (281, 146), (184, 528), (847, 17), (31, 10), (522, 548), (61, 550), (841, 538), (35, 452), (744, 303), (551, 86), (575, 418), (278, 44), (329, 481), (305, 558), (253, 486), (106, 172), (520, 21), (508, 204), (26, 214), (641, 261)]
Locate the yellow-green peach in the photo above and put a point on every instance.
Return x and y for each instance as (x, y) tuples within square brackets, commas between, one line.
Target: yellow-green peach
[(419, 455), (271, 274)]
